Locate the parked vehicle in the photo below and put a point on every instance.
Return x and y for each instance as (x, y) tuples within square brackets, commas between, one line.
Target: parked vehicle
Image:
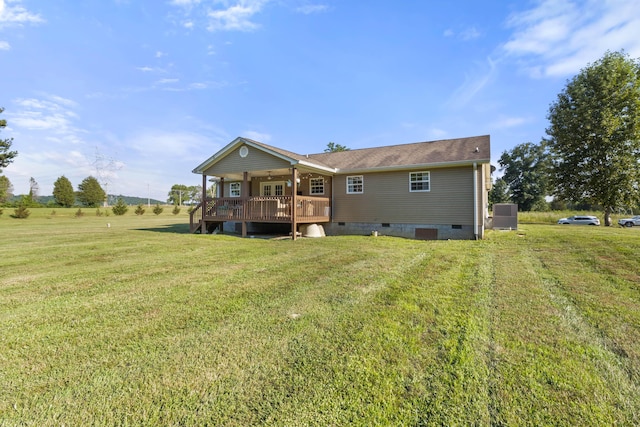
[(580, 220), (629, 222)]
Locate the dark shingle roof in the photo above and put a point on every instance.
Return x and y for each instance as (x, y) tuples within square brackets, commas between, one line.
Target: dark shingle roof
[(459, 150)]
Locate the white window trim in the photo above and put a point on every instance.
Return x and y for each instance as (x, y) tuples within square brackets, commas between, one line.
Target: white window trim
[(311, 186), (273, 186), (428, 173), (362, 184), (235, 186)]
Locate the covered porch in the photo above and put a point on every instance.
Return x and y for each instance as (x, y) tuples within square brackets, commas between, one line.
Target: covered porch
[(275, 197)]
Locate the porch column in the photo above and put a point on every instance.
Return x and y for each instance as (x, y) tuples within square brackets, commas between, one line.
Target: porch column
[(203, 226), (294, 202), (221, 195), (245, 198)]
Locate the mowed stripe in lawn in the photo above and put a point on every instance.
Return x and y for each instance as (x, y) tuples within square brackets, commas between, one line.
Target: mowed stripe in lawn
[(125, 326)]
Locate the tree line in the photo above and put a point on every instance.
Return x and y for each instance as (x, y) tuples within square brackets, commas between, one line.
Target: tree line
[(590, 158)]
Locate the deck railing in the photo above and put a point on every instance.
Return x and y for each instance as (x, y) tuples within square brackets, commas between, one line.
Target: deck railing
[(263, 209)]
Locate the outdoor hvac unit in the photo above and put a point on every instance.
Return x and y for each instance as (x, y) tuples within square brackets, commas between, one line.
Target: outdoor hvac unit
[(505, 216)]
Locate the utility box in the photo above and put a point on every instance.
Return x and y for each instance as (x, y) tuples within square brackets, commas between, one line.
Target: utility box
[(505, 216)]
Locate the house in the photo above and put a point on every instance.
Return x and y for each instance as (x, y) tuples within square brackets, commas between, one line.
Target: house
[(425, 190)]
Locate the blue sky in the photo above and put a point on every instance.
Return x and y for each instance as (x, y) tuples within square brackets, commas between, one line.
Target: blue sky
[(139, 92)]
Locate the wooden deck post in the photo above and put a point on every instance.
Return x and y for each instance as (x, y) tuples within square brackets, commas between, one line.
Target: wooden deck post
[(294, 195), (245, 198), (203, 226)]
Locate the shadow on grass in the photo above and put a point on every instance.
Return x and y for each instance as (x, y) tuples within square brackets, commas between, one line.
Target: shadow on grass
[(173, 228)]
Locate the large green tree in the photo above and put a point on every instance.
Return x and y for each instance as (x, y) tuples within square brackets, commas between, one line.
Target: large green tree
[(6, 189), (178, 194), (90, 193), (63, 192), (526, 172), (594, 135), (6, 156), (499, 193)]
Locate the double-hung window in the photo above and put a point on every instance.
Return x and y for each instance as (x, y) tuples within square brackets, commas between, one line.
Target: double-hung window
[(234, 189), (316, 185), (419, 181), (355, 184)]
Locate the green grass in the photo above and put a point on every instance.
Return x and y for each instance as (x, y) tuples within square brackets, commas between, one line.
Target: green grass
[(141, 323)]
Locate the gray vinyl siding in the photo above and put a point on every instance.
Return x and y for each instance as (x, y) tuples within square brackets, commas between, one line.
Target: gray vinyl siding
[(386, 198), (255, 160)]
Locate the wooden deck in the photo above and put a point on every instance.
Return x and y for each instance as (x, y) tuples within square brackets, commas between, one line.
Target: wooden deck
[(267, 209)]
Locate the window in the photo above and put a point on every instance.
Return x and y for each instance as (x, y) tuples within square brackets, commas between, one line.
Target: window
[(419, 181), (355, 184), (316, 185), (279, 189), (234, 189)]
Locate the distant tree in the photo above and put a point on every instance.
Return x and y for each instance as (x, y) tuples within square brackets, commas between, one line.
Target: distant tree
[(90, 193), (594, 135), (120, 208), (139, 209), (499, 193), (6, 156), (195, 194), (178, 194), (63, 192), (332, 147), (34, 190), (526, 172), (157, 209), (176, 210), (6, 189)]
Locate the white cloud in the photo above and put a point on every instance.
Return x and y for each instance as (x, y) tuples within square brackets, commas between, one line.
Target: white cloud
[(52, 115), (12, 13), (559, 38), (257, 136), (160, 54), (4, 45), (465, 35), (236, 17), (312, 8), (505, 122), (474, 83)]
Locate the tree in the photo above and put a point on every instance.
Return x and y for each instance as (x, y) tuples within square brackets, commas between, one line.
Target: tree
[(6, 189), (499, 192), (120, 208), (63, 192), (526, 172), (595, 135), (34, 190), (90, 193), (178, 194), (139, 209), (6, 156), (332, 147), (157, 209)]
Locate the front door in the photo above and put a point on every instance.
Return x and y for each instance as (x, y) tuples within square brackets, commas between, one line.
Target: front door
[(269, 188)]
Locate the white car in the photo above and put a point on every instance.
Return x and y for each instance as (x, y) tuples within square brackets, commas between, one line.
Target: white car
[(580, 220), (629, 222)]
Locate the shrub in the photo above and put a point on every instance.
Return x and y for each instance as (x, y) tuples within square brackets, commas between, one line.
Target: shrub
[(120, 207), (21, 212), (99, 212), (157, 209), (176, 210), (1, 210), (79, 213), (139, 210)]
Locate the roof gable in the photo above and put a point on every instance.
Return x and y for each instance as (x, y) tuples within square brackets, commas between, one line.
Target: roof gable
[(457, 151)]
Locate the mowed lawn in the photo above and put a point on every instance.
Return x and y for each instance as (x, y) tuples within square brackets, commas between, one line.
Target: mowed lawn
[(142, 323)]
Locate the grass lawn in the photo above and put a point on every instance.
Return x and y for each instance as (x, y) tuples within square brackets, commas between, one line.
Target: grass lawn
[(142, 323)]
